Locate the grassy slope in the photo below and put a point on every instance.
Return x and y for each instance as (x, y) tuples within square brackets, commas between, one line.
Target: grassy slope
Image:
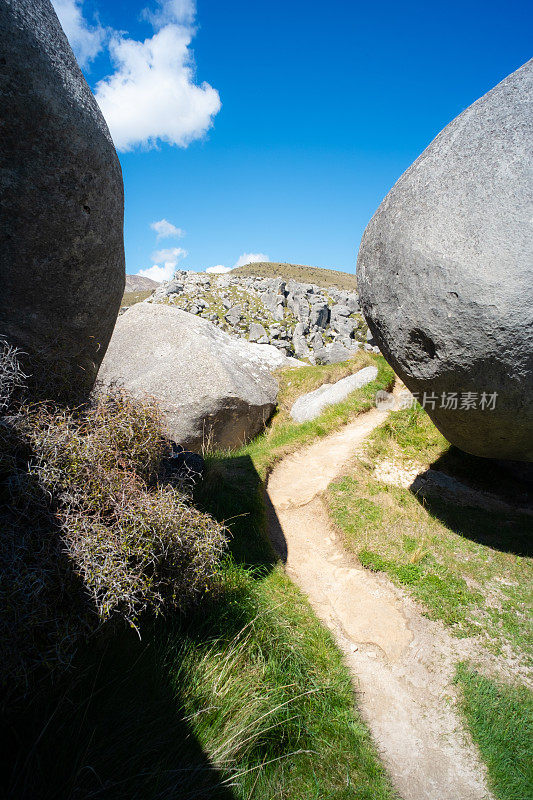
[(466, 565), (130, 298), (248, 699), (321, 277)]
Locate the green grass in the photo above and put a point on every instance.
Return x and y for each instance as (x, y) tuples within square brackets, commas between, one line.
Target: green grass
[(130, 298), (468, 566), (283, 436), (249, 698), (501, 720), (246, 699), (303, 274)]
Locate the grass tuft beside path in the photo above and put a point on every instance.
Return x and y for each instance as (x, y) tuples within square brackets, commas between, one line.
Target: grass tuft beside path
[(468, 565), (245, 699), (501, 721)]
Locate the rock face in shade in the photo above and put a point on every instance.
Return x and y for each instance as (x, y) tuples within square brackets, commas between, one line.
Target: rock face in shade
[(445, 272), (61, 205), (212, 387)]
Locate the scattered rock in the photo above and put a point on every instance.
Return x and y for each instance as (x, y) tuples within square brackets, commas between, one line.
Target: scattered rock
[(214, 389), (294, 317), (233, 317), (311, 405), (62, 254), (333, 353), (257, 333), (444, 274)]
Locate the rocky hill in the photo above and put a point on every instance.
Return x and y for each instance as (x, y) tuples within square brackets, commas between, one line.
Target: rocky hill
[(138, 283), (323, 325), (324, 278)]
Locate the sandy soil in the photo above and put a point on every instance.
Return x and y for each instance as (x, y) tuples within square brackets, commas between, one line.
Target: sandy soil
[(402, 663)]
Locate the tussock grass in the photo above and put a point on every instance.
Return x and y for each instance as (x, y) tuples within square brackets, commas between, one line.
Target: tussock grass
[(278, 700), (245, 699)]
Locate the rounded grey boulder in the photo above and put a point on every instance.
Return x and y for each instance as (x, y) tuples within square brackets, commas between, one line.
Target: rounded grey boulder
[(61, 205), (445, 275), (213, 388)]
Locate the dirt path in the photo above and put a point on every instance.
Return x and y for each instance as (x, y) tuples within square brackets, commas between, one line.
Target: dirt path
[(402, 663)]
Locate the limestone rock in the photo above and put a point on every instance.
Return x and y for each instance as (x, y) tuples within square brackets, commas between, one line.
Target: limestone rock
[(257, 333), (319, 315), (445, 274), (281, 311), (333, 353), (62, 256), (211, 386), (311, 405)]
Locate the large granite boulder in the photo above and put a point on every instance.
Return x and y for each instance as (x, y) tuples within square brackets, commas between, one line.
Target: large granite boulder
[(445, 275), (212, 387), (61, 205)]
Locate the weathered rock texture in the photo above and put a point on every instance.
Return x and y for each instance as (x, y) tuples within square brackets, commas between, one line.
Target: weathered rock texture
[(309, 406), (213, 388), (297, 318), (445, 273), (61, 205)]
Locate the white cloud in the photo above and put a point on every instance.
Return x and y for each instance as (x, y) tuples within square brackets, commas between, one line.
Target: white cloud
[(180, 11), (251, 258), (169, 257), (157, 273), (152, 95), (219, 269), (86, 40), (169, 254), (166, 230)]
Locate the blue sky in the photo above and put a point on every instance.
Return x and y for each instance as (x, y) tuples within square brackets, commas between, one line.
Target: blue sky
[(276, 128)]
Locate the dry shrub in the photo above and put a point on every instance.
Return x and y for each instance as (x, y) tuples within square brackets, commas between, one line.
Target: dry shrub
[(11, 375), (90, 532)]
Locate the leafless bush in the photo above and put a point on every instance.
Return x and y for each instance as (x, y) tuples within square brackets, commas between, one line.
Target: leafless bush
[(90, 532), (11, 375)]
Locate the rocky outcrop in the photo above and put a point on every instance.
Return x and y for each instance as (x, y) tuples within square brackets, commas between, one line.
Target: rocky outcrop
[(62, 256), (309, 406), (445, 275), (213, 388), (297, 318)]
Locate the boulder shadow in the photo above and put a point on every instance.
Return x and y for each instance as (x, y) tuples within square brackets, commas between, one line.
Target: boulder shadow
[(481, 499), (113, 725), (114, 729), (233, 492)]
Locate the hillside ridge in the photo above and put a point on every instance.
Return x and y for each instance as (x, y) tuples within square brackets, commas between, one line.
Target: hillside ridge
[(299, 272)]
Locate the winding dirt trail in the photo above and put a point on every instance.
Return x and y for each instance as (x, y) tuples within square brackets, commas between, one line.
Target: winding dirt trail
[(402, 663)]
